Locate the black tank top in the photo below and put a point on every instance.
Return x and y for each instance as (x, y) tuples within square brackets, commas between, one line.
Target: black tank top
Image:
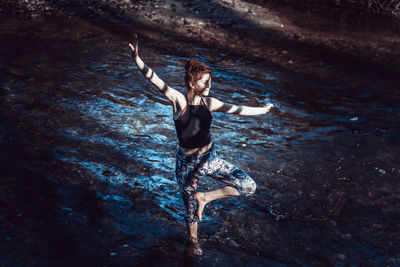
[(193, 126)]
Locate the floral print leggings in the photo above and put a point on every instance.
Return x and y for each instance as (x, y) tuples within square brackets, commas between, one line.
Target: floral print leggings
[(190, 169)]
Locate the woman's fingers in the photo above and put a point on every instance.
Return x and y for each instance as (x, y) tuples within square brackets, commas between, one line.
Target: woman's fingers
[(134, 49), (135, 44), (135, 39), (269, 106)]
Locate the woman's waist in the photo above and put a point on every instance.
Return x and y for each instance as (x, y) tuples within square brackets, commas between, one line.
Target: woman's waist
[(196, 151), (194, 140)]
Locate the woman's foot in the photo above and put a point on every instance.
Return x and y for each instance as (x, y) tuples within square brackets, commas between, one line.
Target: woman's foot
[(201, 202), (194, 246)]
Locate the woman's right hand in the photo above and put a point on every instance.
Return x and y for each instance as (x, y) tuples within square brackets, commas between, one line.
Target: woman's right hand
[(134, 47)]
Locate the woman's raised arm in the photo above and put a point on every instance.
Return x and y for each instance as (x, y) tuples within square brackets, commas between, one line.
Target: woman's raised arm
[(170, 93)]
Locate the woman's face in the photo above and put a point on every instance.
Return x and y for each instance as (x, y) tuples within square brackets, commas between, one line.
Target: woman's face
[(203, 85)]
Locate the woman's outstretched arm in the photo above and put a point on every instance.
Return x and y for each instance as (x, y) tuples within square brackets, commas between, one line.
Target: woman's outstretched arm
[(219, 106), (170, 93)]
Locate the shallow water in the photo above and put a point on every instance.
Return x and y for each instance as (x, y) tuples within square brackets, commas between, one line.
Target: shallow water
[(88, 155)]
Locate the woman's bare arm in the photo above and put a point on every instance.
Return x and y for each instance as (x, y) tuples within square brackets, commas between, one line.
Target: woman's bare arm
[(219, 106), (174, 96)]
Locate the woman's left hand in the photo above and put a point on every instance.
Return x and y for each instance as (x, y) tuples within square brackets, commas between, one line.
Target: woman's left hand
[(268, 107)]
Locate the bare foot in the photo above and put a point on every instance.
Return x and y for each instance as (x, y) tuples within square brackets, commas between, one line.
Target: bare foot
[(193, 247), (201, 202)]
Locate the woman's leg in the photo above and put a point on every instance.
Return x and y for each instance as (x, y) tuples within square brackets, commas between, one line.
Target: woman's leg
[(238, 182), (192, 230), (187, 180), (205, 197)]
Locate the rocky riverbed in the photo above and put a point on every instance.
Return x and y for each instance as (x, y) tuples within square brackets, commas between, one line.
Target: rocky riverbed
[(273, 34)]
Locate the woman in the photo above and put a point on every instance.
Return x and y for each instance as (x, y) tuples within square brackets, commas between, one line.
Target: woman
[(196, 155)]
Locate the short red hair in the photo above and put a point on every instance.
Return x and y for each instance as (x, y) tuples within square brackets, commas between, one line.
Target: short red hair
[(194, 69)]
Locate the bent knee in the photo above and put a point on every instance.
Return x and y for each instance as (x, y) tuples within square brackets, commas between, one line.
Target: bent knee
[(249, 187)]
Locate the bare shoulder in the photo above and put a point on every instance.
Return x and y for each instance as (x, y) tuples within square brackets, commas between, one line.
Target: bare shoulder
[(213, 103), (172, 94), (178, 101)]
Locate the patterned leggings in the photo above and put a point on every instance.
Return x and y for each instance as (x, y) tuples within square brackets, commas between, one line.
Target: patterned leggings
[(190, 169)]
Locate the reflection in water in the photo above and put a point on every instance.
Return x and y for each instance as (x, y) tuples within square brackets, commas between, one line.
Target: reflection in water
[(326, 161)]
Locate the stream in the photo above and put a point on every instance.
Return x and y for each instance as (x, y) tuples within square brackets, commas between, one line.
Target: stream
[(88, 156)]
